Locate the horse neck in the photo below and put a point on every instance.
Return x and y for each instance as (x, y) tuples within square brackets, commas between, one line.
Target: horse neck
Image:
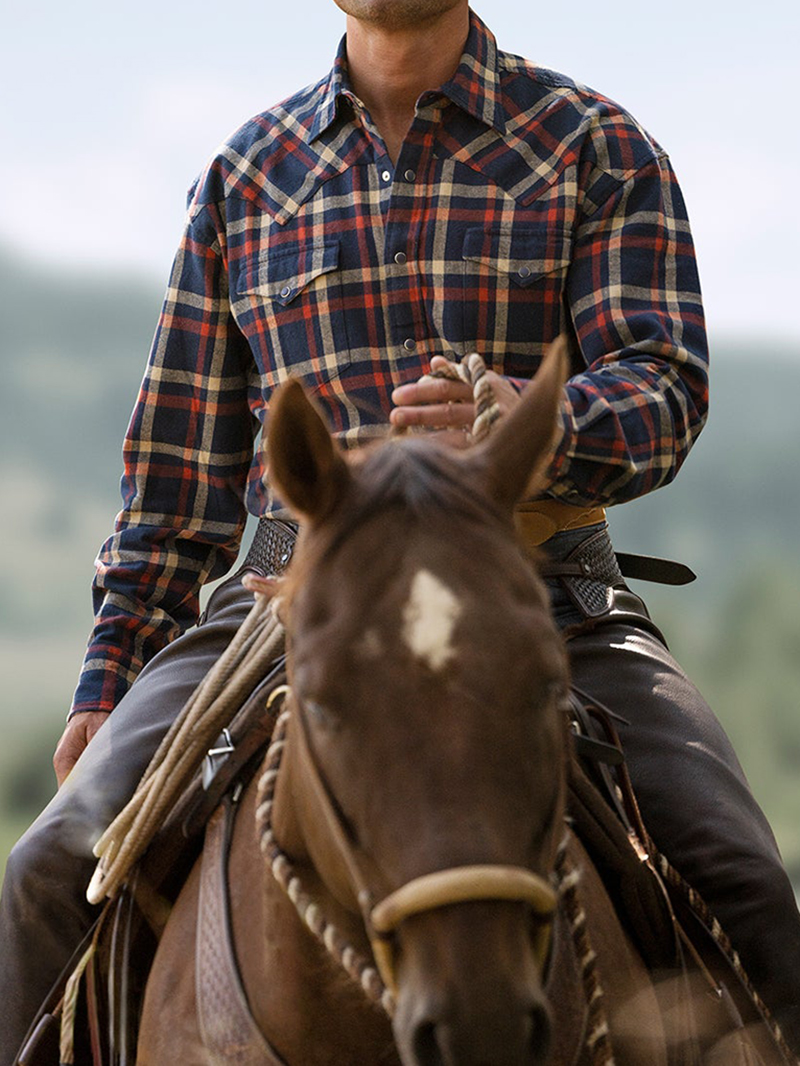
[(310, 996)]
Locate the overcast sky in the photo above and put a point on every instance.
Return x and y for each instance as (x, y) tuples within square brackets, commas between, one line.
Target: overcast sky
[(109, 111)]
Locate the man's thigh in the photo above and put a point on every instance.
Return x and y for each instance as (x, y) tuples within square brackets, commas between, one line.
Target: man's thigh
[(44, 912), (690, 785)]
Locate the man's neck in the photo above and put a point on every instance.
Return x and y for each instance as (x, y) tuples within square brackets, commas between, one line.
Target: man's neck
[(390, 68)]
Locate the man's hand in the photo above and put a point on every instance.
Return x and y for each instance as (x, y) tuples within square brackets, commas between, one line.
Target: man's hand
[(80, 730), (444, 405)]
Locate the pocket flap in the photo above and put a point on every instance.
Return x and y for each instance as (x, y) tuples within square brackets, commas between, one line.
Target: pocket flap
[(282, 275), (525, 254)]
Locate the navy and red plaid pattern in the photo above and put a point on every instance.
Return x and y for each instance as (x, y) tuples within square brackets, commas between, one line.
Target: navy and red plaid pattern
[(521, 205)]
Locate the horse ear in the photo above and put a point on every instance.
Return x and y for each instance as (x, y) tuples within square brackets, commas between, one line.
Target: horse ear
[(520, 447), (305, 464)]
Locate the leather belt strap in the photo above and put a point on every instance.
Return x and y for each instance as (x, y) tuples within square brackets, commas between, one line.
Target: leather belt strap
[(538, 520)]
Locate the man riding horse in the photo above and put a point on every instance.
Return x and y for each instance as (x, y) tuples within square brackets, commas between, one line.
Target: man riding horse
[(429, 197)]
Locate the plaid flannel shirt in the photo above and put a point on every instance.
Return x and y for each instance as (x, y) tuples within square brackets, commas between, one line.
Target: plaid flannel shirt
[(521, 205)]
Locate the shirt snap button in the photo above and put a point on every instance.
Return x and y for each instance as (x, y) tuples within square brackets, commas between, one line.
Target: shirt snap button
[(525, 272), (400, 257), (409, 344), (410, 175), (386, 175), (286, 291)]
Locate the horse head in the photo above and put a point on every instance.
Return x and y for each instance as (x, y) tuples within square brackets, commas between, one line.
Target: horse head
[(428, 680)]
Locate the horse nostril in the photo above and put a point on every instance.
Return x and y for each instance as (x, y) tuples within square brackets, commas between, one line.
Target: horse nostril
[(539, 1020), (426, 1046), (431, 1044)]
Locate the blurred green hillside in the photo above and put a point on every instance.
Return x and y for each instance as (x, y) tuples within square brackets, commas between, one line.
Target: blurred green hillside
[(72, 352)]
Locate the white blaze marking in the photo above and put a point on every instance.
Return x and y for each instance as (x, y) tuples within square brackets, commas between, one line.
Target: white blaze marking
[(429, 618)]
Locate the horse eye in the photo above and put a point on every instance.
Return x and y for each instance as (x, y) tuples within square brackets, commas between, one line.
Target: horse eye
[(557, 690), (546, 692), (316, 711)]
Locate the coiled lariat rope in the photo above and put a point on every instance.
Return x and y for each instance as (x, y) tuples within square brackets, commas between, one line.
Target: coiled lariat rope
[(245, 662)]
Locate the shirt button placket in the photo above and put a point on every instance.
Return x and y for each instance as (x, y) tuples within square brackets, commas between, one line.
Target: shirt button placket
[(409, 343), (401, 259)]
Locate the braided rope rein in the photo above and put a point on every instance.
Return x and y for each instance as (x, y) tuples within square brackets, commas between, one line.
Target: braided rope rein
[(597, 1039), (363, 970), (359, 968), (697, 904)]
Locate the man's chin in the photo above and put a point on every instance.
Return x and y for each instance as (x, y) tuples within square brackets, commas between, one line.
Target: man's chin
[(397, 14)]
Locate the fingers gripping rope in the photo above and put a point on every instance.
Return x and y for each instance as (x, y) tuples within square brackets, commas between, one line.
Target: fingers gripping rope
[(472, 370)]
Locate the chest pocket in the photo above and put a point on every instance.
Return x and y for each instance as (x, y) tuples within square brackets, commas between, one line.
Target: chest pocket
[(290, 307), (514, 277)]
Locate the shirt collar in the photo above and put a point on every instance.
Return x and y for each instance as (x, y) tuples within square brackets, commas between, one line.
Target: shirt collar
[(338, 84), (475, 86)]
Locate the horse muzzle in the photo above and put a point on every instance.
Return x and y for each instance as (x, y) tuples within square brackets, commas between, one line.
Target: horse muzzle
[(469, 988)]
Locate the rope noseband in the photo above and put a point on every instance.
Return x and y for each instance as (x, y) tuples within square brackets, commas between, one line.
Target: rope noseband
[(461, 884)]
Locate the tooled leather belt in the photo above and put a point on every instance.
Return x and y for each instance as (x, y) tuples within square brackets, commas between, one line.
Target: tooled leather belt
[(592, 568), (537, 520), (272, 546)]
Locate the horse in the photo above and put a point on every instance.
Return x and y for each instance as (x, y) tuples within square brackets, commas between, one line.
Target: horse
[(417, 792)]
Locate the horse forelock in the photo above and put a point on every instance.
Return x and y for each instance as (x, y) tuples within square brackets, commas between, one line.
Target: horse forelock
[(426, 484), (424, 478)]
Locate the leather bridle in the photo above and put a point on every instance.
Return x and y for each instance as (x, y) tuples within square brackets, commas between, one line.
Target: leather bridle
[(429, 892)]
